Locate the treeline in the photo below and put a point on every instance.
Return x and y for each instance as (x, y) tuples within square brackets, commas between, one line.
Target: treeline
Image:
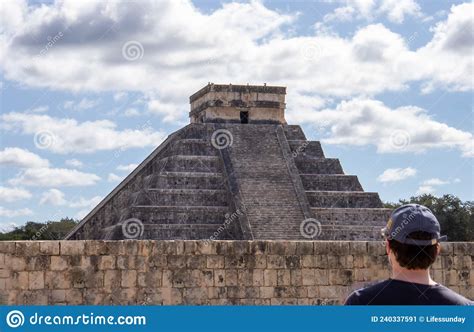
[(455, 216), (49, 230)]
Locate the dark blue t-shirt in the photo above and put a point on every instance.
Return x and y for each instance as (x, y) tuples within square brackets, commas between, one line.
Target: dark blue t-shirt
[(398, 292)]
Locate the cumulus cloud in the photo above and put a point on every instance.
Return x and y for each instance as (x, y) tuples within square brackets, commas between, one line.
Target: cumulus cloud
[(114, 177), (404, 129), (10, 213), (449, 53), (127, 168), (54, 177), (394, 10), (36, 171), (53, 197), (82, 105), (74, 163), (396, 174), (181, 48), (430, 186), (70, 136), (56, 197), (13, 194), (22, 158)]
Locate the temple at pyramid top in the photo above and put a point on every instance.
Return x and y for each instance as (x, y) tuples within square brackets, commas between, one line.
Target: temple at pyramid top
[(237, 171), (257, 104)]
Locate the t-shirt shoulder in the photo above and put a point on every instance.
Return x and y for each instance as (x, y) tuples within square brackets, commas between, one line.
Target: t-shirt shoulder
[(360, 296), (392, 292)]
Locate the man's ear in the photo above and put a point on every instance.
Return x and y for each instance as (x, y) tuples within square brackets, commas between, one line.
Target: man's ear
[(387, 247), (438, 249)]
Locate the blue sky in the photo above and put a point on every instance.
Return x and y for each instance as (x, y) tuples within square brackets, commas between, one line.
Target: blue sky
[(90, 88)]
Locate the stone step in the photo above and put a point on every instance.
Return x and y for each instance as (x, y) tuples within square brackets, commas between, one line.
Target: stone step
[(187, 180), (349, 233), (187, 197), (294, 132), (205, 164), (306, 148), (310, 165), (195, 130), (330, 182), (344, 199), (180, 214), (352, 216), (188, 232), (192, 147)]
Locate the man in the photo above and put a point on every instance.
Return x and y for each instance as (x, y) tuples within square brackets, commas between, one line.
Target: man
[(412, 237)]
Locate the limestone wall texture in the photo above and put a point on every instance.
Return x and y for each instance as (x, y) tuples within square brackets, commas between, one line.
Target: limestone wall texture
[(199, 272)]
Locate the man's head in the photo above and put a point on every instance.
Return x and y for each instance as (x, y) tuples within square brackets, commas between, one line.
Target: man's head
[(413, 236)]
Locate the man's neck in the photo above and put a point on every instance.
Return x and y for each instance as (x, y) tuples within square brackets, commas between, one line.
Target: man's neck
[(415, 276)]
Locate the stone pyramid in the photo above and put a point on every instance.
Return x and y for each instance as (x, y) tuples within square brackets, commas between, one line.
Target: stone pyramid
[(237, 171)]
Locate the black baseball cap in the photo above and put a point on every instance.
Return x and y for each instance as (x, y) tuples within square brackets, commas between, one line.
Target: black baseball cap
[(411, 218)]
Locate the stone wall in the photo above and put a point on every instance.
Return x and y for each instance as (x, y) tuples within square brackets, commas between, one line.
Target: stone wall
[(197, 272)]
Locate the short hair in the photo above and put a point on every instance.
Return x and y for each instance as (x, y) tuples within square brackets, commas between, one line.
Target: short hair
[(414, 257)]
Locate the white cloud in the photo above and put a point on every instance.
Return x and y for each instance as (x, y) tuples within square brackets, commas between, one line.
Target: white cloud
[(114, 177), (74, 163), (57, 197), (425, 190), (53, 197), (14, 213), (184, 48), (131, 112), (82, 105), (53, 177), (71, 136), (13, 194), (127, 168), (404, 129), (39, 109), (17, 157), (120, 96), (434, 182), (449, 54), (396, 174), (395, 10), (429, 186), (83, 202)]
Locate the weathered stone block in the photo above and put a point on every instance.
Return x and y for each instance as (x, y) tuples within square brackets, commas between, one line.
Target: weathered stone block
[(59, 263), (49, 247), (27, 248), (129, 278), (72, 247), (106, 262), (215, 262), (36, 280), (231, 277)]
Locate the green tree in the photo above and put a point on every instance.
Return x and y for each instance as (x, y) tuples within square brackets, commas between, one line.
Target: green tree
[(455, 216)]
